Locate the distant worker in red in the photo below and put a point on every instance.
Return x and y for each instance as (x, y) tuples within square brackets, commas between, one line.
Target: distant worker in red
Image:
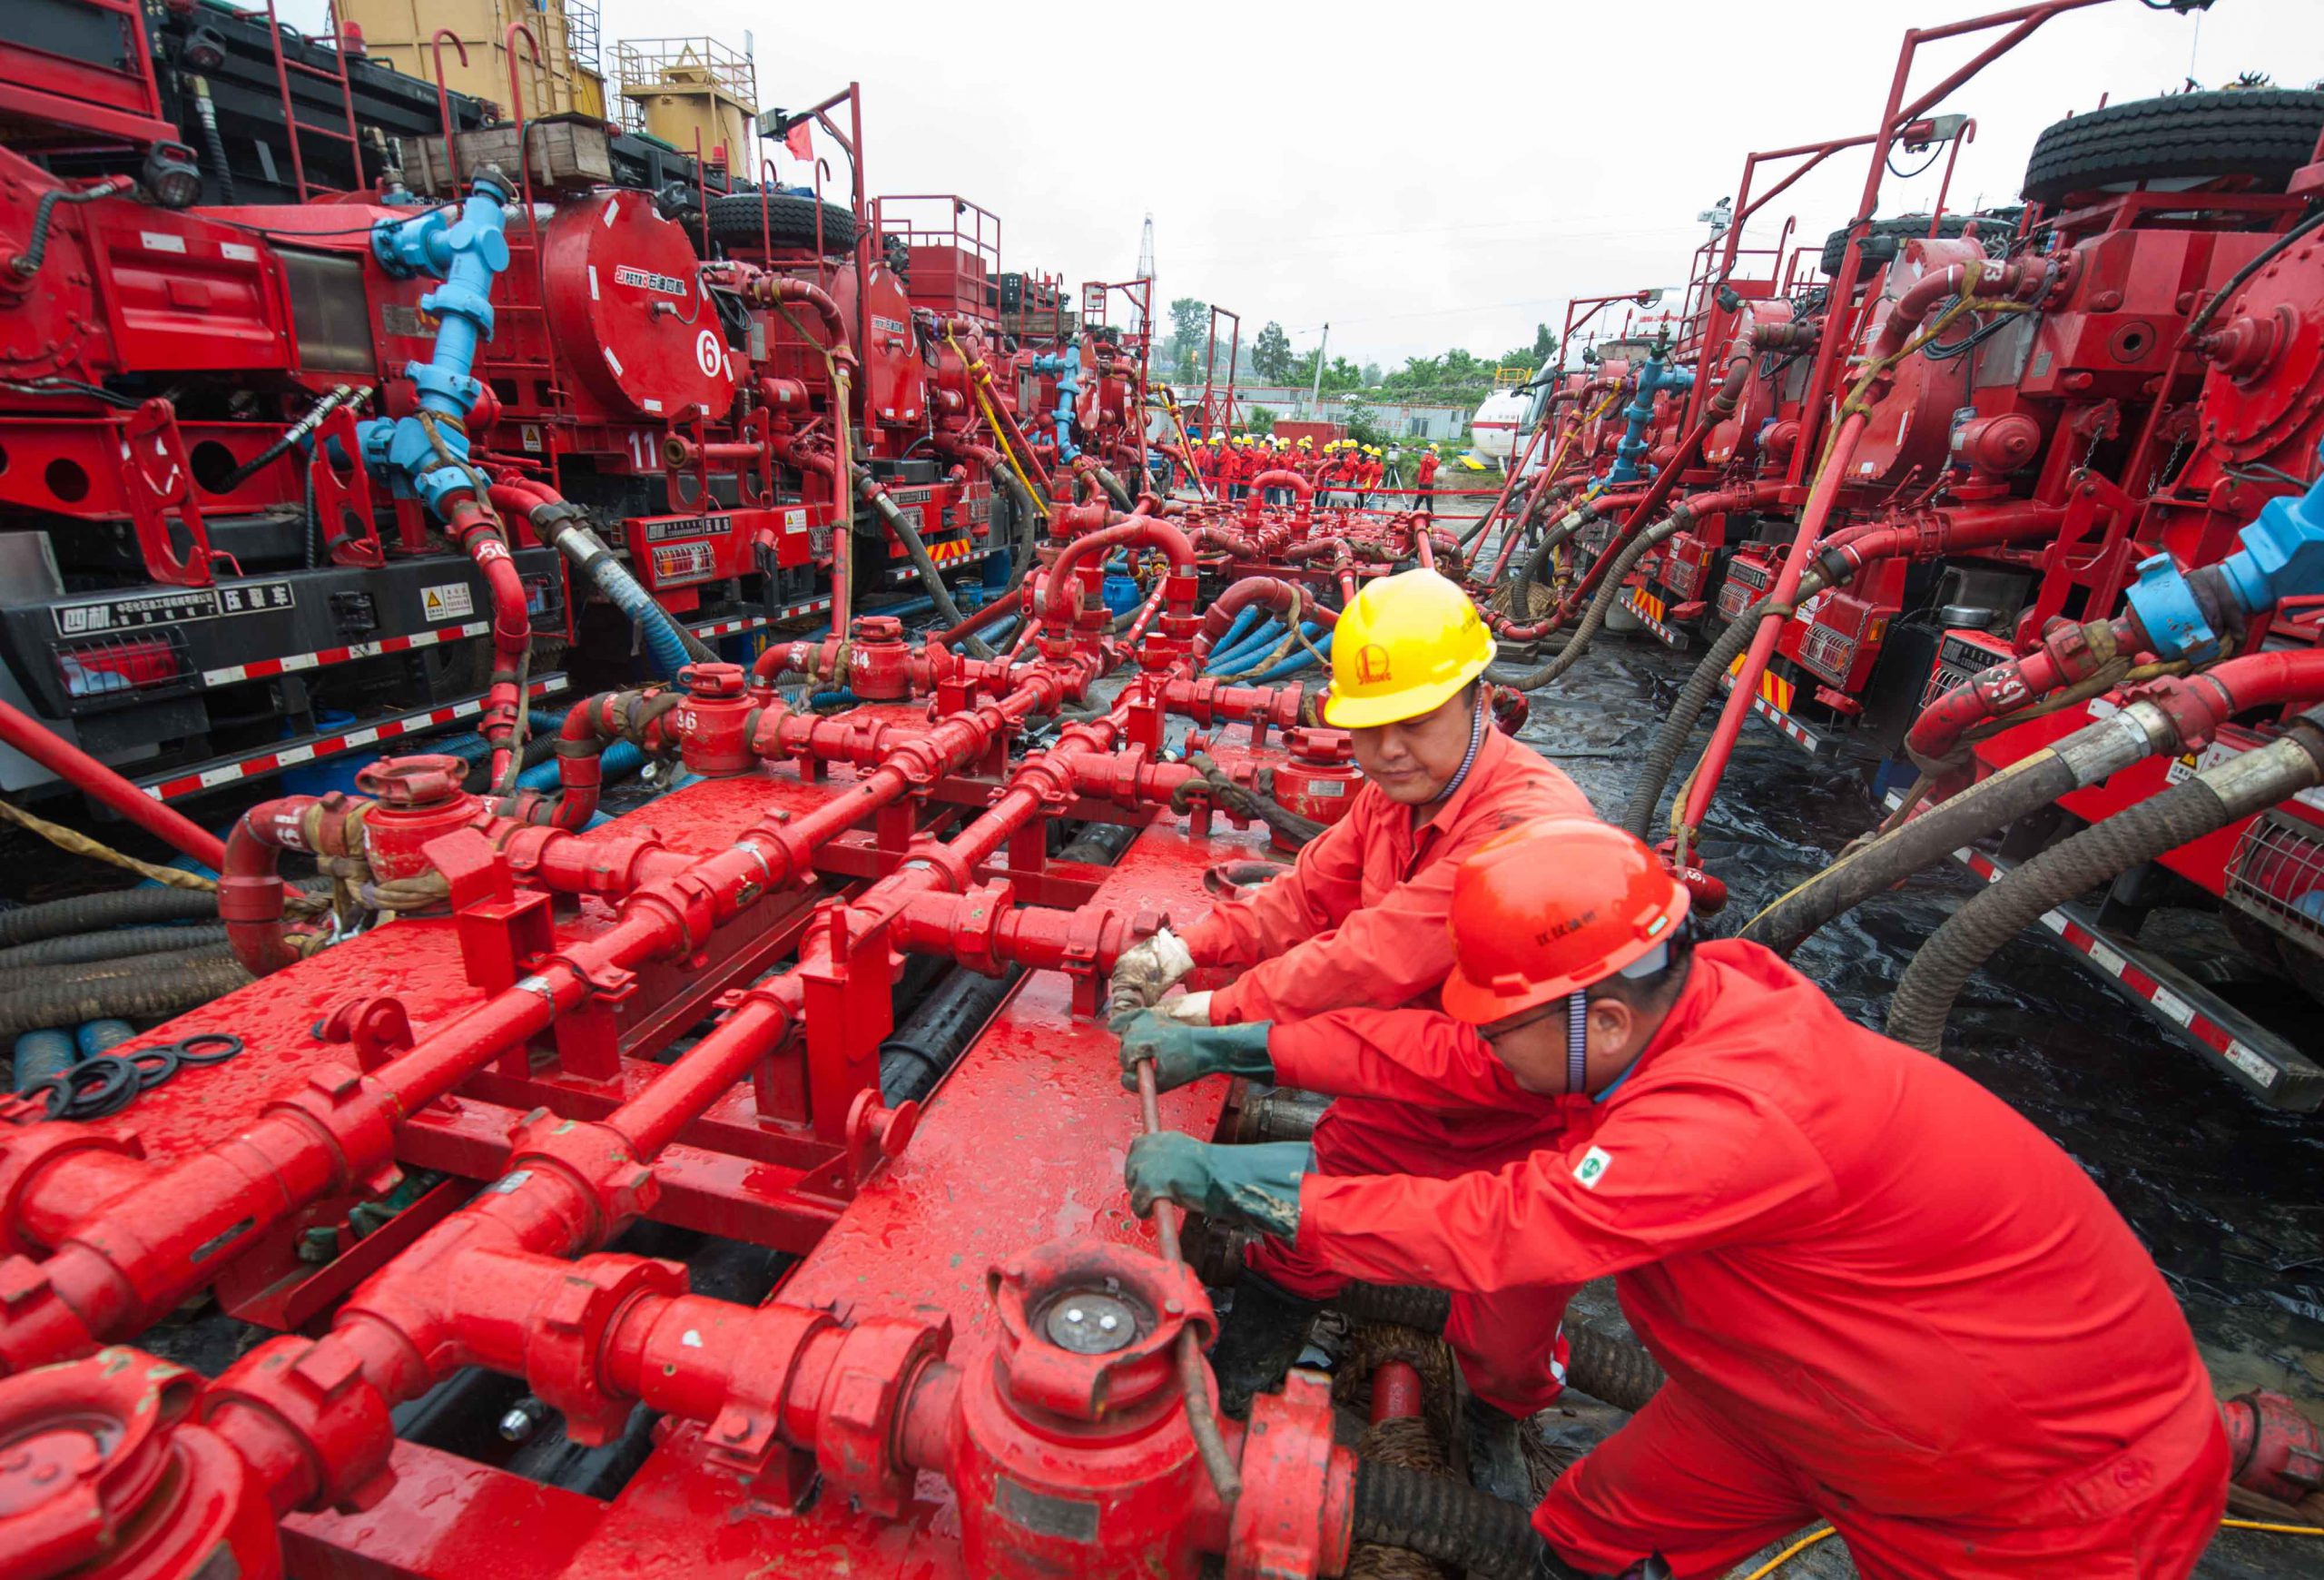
[(1883, 1299), (1359, 920), (1424, 483), (1367, 476)]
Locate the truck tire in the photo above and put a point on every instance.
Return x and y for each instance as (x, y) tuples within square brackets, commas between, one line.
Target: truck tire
[(1883, 237), (2181, 139), (789, 222)]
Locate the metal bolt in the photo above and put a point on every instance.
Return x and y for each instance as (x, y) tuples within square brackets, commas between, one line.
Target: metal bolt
[(523, 1419)]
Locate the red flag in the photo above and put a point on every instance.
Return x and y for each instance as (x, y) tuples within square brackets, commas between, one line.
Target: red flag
[(801, 140)]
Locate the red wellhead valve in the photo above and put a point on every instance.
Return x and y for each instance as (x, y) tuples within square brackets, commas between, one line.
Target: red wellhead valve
[(713, 723), (414, 800), (1321, 779), (1071, 1455), (879, 664), (100, 1473)]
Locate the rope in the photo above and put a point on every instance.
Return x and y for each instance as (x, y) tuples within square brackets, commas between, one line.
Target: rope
[(991, 421), (78, 844)]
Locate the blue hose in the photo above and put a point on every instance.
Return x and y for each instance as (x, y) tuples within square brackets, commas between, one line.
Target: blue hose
[(1244, 621), (1257, 640), (1260, 641), (995, 634), (1294, 664), (96, 1037), (43, 1053), (617, 761)]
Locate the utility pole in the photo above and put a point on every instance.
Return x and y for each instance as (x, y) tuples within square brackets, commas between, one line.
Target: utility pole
[(1315, 395)]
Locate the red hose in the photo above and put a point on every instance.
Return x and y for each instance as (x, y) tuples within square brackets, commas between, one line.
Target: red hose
[(101, 783)]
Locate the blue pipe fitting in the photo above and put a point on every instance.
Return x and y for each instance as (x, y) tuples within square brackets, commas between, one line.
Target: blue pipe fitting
[(2282, 556), (465, 254), (1654, 377)]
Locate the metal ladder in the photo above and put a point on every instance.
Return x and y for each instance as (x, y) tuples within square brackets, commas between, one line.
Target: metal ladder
[(283, 66)]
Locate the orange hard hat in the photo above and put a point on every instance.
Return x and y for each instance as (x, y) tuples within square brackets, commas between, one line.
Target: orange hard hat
[(1550, 907)]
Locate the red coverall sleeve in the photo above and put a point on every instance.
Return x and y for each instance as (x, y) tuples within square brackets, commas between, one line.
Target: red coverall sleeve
[(1323, 886), (1678, 1170), (1412, 1056), (1386, 953)]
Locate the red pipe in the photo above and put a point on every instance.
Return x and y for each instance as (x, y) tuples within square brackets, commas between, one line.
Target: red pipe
[(92, 778), (477, 531), (1145, 530), (251, 890), (1771, 627), (129, 1260), (1396, 1393)]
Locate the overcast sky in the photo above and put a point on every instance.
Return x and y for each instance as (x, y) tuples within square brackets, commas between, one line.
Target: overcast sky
[(1448, 182)]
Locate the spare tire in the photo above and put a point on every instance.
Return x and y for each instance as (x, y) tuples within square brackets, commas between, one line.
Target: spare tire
[(1883, 237), (789, 222), (2266, 134)]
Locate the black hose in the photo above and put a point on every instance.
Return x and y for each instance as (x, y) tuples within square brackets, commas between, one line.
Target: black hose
[(2237, 280), (1447, 1520), (2033, 782), (27, 263), (2189, 810), (151, 995), (88, 971), (1609, 588), (1027, 515), (112, 908), (1413, 1306), (1662, 753), (212, 145), (74, 948), (916, 1055), (2027, 786), (931, 578), (1608, 1367)]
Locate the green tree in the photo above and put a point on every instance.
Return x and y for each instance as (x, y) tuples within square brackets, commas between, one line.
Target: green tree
[(1271, 354), (1362, 422), (1189, 322), (1545, 344), (1259, 420)]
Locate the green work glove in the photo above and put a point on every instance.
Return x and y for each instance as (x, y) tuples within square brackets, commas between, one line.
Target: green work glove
[(1183, 1052), (1254, 1185)]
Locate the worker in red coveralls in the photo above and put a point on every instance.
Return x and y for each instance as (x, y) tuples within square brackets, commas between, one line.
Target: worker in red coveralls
[(1359, 920), (1424, 483), (1883, 1299)]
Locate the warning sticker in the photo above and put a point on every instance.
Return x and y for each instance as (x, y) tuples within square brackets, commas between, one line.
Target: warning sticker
[(451, 601)]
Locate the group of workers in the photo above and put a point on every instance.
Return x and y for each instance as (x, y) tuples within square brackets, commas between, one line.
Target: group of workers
[(1882, 1298), (1342, 471)]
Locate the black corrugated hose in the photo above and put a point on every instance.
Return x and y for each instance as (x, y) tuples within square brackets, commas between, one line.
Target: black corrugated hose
[(2026, 786), (1449, 1521), (930, 578), (1608, 589), (74, 948), (1663, 752), (1608, 1367), (2187, 811), (169, 985), (111, 908)]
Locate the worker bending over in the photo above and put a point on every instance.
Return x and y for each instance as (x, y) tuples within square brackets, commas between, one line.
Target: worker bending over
[(1359, 920), (1883, 1299)]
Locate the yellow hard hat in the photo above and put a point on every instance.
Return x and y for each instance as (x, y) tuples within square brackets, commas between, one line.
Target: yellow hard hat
[(1406, 645)]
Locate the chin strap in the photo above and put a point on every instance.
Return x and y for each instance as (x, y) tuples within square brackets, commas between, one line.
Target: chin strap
[(1577, 1043), (1476, 740)]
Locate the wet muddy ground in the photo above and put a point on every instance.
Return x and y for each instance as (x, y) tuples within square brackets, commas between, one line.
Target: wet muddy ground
[(2224, 1192)]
